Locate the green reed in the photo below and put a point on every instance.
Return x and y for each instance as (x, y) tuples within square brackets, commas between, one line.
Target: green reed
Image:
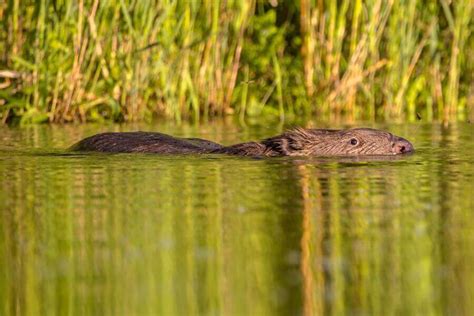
[(123, 60)]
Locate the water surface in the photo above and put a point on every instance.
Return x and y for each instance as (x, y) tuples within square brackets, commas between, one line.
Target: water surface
[(85, 234)]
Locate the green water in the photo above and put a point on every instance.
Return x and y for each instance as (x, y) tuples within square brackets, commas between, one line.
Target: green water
[(215, 235)]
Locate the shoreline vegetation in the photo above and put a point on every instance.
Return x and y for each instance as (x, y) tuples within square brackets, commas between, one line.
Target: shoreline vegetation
[(119, 60)]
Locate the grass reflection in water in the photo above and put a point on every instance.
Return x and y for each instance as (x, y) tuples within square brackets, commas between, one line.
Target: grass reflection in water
[(142, 235)]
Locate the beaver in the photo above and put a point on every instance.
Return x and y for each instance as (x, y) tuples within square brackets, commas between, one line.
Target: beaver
[(295, 142)]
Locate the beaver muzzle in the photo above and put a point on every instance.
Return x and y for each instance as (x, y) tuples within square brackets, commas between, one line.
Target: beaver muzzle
[(401, 146)]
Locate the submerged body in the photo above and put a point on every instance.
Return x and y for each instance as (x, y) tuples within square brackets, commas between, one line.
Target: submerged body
[(296, 142), (144, 142)]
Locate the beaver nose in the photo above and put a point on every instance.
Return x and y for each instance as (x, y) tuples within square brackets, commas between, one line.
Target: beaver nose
[(401, 146)]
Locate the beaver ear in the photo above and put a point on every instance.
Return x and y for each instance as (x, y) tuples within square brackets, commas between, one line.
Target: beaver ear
[(285, 144)]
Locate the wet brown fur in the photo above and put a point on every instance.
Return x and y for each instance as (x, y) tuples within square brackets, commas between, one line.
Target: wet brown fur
[(144, 142), (296, 142)]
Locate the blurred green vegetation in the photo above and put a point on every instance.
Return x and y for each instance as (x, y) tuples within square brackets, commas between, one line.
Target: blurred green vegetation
[(124, 60)]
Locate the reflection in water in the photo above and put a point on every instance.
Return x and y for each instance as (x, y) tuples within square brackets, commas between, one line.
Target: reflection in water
[(147, 235)]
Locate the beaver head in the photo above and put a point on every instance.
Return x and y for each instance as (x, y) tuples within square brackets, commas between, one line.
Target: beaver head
[(324, 142)]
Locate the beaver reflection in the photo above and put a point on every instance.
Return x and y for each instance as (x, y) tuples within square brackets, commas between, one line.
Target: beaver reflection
[(296, 142)]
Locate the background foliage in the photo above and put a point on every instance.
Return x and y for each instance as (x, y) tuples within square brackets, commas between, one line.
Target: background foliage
[(125, 60)]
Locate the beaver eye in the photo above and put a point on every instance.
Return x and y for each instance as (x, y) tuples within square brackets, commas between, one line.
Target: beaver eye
[(354, 141)]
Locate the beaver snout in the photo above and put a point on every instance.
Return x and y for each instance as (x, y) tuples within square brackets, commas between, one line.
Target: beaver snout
[(401, 146)]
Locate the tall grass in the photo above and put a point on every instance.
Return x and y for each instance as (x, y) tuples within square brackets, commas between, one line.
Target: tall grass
[(377, 57), (123, 60)]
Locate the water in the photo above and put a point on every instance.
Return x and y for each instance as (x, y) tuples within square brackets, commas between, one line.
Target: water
[(84, 234)]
